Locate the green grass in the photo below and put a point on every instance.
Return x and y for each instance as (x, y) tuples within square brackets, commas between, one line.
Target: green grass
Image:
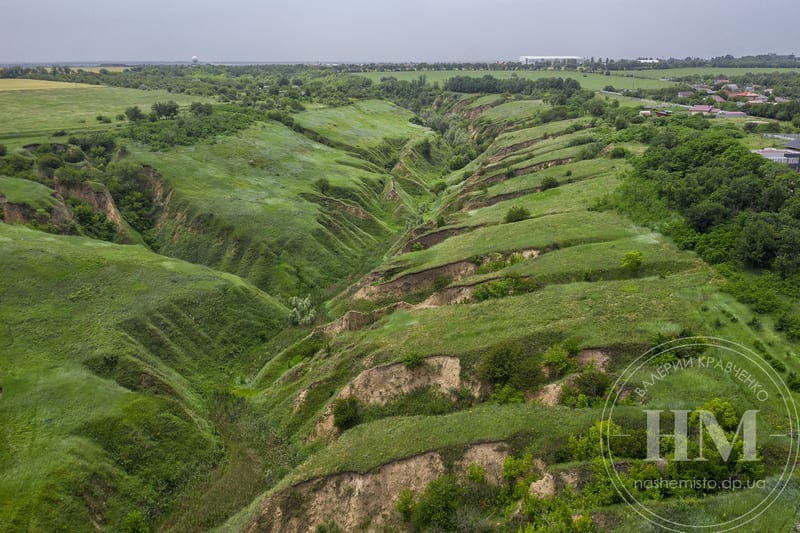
[(369, 445), (106, 353), (242, 190), (626, 311), (32, 115), (489, 99), (26, 192), (594, 82), (578, 196), (374, 128), (19, 84), (601, 260), (581, 170), (711, 72), (564, 229), (516, 111), (534, 153), (529, 134)]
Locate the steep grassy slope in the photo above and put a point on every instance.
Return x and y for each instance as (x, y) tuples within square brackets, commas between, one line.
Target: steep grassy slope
[(573, 292), (290, 213), (111, 359), (133, 381), (252, 204)]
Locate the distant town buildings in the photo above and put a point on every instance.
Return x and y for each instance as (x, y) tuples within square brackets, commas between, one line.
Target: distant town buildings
[(536, 60)]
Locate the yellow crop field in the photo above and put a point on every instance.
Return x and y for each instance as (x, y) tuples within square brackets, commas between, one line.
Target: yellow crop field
[(30, 85)]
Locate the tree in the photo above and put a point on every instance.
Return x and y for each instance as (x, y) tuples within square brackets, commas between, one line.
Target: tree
[(134, 113), (165, 109), (516, 213), (302, 313), (200, 109), (632, 261), (3, 150)]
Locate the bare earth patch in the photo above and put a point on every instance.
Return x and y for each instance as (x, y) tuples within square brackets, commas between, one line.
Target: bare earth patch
[(349, 499), (598, 358), (383, 384)]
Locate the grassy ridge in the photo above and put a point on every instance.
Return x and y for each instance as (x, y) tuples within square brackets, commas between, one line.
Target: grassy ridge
[(563, 229), (96, 422), (26, 192), (232, 200)]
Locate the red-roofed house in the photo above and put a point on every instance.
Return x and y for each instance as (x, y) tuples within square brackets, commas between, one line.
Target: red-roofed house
[(701, 110)]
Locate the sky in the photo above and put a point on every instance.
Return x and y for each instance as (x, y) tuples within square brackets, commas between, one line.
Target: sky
[(53, 31)]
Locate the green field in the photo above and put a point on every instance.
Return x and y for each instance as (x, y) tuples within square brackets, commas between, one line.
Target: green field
[(34, 112), (594, 82), (715, 72)]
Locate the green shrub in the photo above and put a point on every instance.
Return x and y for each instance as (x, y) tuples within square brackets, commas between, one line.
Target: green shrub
[(346, 412), (3, 150), (134, 523), (436, 506), (405, 504), (516, 213), (632, 261), (413, 360), (549, 183), (558, 361), (439, 187), (476, 473), (618, 153), (507, 394)]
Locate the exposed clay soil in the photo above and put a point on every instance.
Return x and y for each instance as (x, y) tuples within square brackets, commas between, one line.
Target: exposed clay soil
[(592, 356), (382, 384), (353, 500), (549, 395), (448, 296), (490, 456), (99, 200), (349, 499)]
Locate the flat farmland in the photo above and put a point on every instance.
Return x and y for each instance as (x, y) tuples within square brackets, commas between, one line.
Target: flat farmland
[(32, 110), (593, 82)]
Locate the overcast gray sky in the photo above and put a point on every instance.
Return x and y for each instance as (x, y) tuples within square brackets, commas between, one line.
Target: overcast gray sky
[(388, 30)]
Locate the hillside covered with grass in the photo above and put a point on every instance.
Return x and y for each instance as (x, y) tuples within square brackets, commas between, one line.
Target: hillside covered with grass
[(379, 302)]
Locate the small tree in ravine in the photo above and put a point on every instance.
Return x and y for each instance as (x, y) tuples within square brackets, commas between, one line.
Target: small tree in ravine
[(303, 312), (632, 261)]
